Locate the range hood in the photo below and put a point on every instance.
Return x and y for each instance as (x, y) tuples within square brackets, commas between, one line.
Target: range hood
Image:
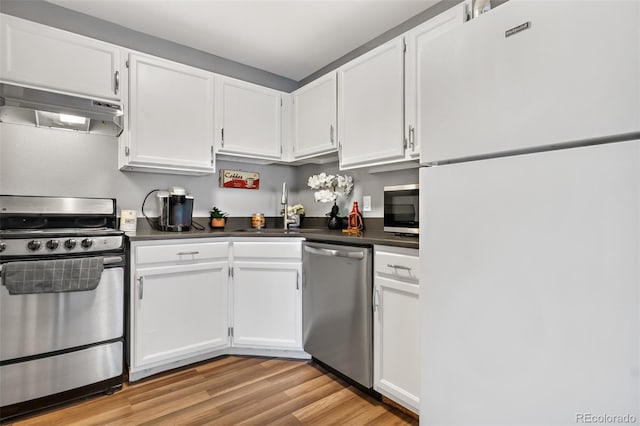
[(23, 105)]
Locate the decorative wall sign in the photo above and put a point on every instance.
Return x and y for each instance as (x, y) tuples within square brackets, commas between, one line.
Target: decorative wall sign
[(239, 179)]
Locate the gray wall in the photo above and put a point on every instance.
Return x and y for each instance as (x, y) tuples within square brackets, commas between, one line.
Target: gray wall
[(79, 23), (36, 161), (364, 184), (48, 162)]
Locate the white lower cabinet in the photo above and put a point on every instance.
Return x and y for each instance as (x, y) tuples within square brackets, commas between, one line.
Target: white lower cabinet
[(179, 303), (396, 332), (267, 291), (267, 295), (194, 299)]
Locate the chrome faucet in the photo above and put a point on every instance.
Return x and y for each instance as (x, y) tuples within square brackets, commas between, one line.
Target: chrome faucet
[(285, 205)]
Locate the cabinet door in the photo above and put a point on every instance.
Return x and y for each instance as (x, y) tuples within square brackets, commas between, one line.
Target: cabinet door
[(48, 58), (267, 308), (396, 331), (249, 119), (171, 117), (417, 40), (315, 114), (370, 107), (179, 311)]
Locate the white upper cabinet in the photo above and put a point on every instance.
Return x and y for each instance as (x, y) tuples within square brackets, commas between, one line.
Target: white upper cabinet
[(370, 107), (530, 74), (248, 122), (170, 118), (417, 40), (43, 57), (314, 117)]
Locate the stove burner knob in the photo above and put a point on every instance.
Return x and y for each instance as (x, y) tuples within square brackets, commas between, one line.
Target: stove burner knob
[(70, 243), (34, 245), (52, 244), (86, 243), (3, 246)]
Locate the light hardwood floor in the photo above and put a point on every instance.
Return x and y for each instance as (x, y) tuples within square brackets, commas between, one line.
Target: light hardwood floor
[(232, 390)]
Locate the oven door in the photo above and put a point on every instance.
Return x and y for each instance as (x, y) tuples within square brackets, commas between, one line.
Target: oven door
[(33, 324)]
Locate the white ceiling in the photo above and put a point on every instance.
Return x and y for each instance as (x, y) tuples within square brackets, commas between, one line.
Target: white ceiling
[(291, 38)]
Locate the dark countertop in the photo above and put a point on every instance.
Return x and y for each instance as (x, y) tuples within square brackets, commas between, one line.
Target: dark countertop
[(375, 235)]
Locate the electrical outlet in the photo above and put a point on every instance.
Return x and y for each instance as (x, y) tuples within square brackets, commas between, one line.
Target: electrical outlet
[(366, 203)]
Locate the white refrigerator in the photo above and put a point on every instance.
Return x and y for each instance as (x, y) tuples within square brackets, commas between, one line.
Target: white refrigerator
[(530, 217)]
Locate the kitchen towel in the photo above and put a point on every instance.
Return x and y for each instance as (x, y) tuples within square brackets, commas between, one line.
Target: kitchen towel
[(52, 276)]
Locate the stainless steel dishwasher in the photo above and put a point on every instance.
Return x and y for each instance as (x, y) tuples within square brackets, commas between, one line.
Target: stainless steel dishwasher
[(336, 308)]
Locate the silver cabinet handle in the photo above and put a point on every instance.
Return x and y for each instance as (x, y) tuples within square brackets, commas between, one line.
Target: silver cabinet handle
[(186, 253), (140, 287), (116, 82), (376, 299), (336, 253), (331, 134), (412, 137), (212, 155), (297, 280), (405, 268), (222, 137)]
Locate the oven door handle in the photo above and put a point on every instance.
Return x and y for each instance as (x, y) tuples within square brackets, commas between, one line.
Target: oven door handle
[(106, 261), (112, 259)]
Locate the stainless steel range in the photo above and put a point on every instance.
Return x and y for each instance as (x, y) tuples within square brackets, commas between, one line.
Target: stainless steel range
[(62, 264)]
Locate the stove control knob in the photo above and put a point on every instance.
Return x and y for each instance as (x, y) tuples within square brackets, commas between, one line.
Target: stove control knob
[(34, 245), (86, 243), (3, 246), (70, 243), (52, 244)]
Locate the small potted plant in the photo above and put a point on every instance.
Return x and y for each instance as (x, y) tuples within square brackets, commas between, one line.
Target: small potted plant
[(296, 212), (217, 218)]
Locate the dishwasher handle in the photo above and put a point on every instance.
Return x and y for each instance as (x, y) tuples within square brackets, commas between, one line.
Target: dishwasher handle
[(335, 253)]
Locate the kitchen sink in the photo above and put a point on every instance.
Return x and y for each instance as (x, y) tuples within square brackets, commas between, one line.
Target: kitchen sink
[(278, 231)]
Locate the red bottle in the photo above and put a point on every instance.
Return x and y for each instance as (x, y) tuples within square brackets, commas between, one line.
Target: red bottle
[(355, 218)]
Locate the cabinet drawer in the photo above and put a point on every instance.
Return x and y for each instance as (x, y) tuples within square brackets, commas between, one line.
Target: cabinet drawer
[(404, 266), (268, 250), (181, 252)]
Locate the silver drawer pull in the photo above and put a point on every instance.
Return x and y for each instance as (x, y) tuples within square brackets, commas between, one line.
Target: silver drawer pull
[(406, 268), (140, 287), (186, 253)]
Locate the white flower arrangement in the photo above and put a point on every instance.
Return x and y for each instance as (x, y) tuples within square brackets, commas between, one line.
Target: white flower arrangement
[(330, 186)]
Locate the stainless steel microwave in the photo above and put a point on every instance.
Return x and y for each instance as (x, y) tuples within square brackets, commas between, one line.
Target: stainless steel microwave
[(401, 209)]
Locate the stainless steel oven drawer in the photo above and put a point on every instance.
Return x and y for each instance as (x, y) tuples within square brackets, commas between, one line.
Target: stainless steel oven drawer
[(32, 324), (33, 379)]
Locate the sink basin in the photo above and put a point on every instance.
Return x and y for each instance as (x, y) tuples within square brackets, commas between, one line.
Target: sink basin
[(277, 231)]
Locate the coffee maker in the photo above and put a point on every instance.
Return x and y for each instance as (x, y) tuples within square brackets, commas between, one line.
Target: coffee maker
[(175, 210)]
